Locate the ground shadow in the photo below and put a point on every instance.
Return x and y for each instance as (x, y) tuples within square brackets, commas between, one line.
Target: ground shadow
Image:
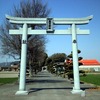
[(41, 76), (80, 82), (31, 90), (43, 81), (40, 89)]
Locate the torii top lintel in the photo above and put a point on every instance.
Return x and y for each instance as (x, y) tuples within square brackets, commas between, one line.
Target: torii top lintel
[(56, 21)]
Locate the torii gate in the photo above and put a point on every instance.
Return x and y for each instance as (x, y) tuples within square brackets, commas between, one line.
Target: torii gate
[(49, 22)]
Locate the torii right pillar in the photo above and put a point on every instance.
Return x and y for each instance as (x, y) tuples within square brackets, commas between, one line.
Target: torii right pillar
[(76, 88)]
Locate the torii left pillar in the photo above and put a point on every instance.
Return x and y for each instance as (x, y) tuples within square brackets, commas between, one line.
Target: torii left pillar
[(22, 81)]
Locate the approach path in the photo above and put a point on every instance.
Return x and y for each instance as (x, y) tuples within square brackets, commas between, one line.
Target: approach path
[(45, 86)]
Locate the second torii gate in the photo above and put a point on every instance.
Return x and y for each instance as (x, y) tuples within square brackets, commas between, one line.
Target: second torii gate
[(49, 30)]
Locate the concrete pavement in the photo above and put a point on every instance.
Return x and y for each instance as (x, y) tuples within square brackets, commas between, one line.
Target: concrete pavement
[(45, 86)]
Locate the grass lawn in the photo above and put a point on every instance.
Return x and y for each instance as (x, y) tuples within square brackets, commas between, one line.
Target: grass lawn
[(7, 80), (91, 78)]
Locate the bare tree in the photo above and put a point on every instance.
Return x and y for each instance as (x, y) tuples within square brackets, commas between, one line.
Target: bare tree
[(11, 45), (36, 52)]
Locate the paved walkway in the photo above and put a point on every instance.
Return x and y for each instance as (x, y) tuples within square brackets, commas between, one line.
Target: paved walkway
[(45, 86)]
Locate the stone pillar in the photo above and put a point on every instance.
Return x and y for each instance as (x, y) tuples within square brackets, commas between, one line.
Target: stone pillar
[(22, 81), (76, 88)]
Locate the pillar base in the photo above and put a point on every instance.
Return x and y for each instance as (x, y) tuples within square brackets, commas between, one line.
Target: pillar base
[(78, 92), (21, 93)]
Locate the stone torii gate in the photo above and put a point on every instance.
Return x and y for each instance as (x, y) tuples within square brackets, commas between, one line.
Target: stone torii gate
[(49, 22)]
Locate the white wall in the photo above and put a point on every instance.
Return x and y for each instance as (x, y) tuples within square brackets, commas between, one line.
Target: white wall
[(92, 68)]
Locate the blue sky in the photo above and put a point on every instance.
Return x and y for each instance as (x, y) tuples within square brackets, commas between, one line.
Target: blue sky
[(88, 44)]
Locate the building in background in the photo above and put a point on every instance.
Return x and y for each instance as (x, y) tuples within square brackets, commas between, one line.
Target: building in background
[(89, 65), (9, 66)]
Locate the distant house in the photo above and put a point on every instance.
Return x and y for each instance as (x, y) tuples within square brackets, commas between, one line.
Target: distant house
[(0, 69), (15, 66), (4, 66), (87, 64), (10, 66), (90, 65)]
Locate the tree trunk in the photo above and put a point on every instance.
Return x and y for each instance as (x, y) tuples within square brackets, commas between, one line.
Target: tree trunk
[(30, 71)]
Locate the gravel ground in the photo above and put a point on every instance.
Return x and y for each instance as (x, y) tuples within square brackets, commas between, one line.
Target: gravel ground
[(45, 86)]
